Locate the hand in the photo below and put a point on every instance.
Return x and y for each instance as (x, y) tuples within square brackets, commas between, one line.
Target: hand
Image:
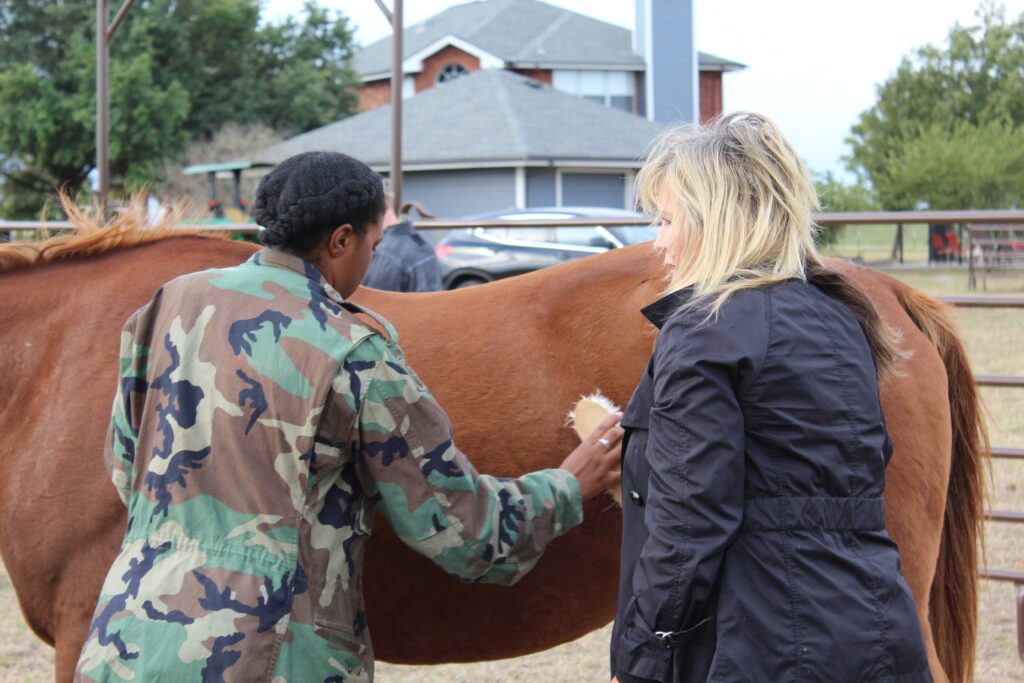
[(595, 466)]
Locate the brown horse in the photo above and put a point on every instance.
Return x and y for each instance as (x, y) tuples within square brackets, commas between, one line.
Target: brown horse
[(506, 360)]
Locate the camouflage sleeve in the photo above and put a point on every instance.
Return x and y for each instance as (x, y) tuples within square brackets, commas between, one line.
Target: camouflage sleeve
[(474, 526), (119, 450)]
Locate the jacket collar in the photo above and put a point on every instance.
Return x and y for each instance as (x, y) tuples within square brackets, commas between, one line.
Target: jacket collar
[(275, 258), (402, 228), (664, 308)]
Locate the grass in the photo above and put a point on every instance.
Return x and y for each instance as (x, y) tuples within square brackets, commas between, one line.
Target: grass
[(993, 338), (874, 243)]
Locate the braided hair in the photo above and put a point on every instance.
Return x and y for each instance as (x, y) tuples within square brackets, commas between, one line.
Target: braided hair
[(307, 196)]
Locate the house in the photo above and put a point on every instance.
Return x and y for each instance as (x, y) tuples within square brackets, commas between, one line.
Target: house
[(494, 140), (568, 51), (511, 104)]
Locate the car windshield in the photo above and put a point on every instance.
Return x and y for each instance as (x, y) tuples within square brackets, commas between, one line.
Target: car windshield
[(634, 234)]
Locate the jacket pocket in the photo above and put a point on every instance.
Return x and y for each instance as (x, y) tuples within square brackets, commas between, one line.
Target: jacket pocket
[(339, 636)]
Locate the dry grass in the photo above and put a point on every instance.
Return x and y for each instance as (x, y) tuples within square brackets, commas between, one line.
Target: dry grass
[(993, 339), (23, 657)]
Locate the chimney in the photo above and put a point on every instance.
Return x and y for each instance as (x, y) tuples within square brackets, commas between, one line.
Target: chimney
[(664, 38)]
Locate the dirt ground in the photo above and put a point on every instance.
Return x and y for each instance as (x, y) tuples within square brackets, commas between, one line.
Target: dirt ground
[(988, 334)]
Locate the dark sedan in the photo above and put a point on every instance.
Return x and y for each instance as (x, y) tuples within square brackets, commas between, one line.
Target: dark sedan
[(473, 256)]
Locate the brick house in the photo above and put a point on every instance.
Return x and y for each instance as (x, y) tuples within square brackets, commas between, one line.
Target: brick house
[(538, 106), (566, 50)]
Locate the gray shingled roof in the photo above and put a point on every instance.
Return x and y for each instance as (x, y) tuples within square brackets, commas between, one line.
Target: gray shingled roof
[(524, 33), (491, 115)]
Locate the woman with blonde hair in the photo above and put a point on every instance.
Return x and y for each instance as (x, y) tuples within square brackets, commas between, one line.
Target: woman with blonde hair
[(754, 545)]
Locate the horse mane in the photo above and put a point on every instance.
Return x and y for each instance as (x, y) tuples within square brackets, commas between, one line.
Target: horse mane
[(93, 236)]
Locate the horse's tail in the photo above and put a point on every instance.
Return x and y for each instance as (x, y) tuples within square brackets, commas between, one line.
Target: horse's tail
[(953, 603)]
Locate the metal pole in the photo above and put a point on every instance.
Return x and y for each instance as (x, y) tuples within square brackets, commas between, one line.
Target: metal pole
[(236, 196), (971, 284), (396, 106), (102, 103), (118, 18)]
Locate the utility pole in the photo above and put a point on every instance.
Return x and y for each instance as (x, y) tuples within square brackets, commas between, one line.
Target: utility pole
[(104, 33), (395, 175)]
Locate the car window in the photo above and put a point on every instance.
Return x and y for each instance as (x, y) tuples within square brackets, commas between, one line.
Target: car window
[(496, 233), (634, 234), (521, 234), (583, 236), (535, 216)]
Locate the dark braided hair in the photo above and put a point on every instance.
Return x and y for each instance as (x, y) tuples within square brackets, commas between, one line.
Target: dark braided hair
[(307, 196)]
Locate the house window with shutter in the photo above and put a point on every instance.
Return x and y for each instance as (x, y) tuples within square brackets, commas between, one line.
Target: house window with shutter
[(450, 72)]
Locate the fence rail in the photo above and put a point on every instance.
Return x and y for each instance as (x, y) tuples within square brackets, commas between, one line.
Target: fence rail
[(898, 218), (999, 380)]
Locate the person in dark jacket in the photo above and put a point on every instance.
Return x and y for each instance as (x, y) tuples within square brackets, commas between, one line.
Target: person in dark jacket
[(404, 261), (754, 545)]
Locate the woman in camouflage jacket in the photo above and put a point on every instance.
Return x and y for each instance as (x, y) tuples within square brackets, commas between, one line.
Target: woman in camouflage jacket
[(257, 425)]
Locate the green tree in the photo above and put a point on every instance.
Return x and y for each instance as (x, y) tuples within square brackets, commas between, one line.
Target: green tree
[(47, 83), (179, 70), (300, 77), (946, 130), (836, 196)]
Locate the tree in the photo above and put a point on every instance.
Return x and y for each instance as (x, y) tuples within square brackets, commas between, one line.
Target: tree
[(230, 141), (179, 70), (835, 196), (946, 131), (300, 77), (47, 83)]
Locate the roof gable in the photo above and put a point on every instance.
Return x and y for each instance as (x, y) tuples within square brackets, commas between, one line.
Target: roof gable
[(525, 33), (414, 62)]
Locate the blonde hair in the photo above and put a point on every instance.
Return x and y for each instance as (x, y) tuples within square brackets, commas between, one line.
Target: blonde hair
[(743, 205), (742, 208)]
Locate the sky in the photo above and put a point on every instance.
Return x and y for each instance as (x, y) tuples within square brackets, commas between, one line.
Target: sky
[(812, 65)]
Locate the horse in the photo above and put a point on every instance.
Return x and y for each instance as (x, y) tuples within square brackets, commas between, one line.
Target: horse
[(506, 360)]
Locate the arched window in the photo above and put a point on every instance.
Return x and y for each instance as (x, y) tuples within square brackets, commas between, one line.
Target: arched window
[(449, 72)]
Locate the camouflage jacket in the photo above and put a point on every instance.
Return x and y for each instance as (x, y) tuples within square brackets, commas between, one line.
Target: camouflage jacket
[(257, 425)]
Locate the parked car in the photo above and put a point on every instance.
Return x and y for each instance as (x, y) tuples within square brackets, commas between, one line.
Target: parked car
[(473, 256)]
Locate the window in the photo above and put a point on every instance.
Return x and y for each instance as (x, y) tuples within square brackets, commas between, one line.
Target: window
[(522, 234), (449, 72), (610, 88), (584, 236)]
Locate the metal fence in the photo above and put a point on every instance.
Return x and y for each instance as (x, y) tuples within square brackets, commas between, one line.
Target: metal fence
[(897, 218), (999, 451)]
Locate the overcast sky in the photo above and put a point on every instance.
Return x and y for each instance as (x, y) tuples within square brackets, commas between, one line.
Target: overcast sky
[(812, 65)]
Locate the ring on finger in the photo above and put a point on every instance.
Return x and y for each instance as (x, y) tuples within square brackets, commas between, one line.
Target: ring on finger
[(606, 443)]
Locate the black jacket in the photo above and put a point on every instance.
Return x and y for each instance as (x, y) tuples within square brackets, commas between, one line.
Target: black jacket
[(754, 544), (404, 262)]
